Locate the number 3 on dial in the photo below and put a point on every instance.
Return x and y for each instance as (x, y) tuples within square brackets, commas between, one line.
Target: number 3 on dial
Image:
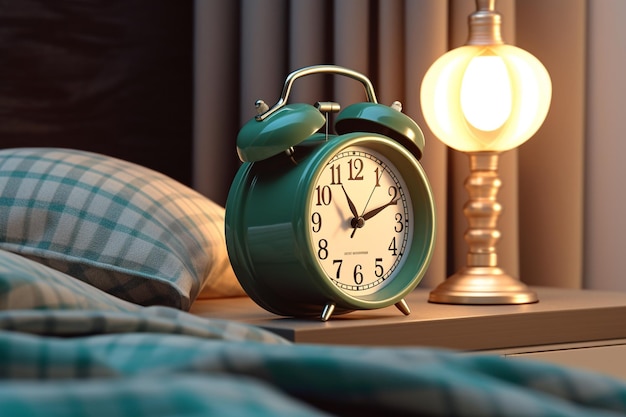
[(361, 220)]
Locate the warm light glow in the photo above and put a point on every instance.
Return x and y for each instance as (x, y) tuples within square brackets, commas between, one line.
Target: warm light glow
[(486, 93), (471, 109)]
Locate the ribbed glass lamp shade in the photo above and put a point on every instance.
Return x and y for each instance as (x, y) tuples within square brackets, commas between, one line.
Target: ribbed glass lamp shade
[(485, 97)]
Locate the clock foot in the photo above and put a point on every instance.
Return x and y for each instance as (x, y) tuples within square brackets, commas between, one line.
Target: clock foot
[(403, 307), (327, 311)]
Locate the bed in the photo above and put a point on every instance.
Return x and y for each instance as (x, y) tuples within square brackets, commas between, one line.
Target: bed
[(100, 260)]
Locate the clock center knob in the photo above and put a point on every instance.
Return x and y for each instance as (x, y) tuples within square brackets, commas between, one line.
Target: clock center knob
[(357, 222)]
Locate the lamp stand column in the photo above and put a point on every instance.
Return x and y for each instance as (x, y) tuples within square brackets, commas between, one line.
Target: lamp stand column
[(481, 281)]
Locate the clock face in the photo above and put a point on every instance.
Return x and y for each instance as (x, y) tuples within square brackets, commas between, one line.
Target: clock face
[(361, 220)]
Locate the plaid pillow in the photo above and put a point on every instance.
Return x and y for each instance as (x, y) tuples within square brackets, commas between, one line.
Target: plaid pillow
[(128, 230), (40, 300), (25, 284)]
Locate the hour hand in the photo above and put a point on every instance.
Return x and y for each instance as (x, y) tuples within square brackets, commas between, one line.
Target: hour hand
[(357, 221), (355, 214)]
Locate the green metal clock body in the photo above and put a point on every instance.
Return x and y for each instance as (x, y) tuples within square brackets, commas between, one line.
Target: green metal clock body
[(280, 218), (337, 223)]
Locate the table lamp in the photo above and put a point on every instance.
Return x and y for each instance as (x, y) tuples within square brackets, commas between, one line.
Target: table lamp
[(482, 99)]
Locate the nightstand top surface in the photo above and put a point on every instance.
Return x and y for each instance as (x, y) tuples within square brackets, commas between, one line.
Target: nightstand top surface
[(560, 316)]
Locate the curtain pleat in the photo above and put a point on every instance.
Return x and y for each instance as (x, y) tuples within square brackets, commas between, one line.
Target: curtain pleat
[(263, 61), (245, 50), (426, 38), (351, 46), (389, 44), (216, 96), (308, 41), (552, 162), (605, 208)]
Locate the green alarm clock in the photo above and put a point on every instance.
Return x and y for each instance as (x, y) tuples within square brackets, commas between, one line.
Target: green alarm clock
[(320, 224)]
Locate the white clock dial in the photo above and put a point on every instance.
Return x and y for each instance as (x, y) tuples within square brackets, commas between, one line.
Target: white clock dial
[(361, 220)]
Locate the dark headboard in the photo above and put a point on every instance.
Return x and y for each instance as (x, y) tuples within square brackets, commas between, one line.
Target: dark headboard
[(110, 76)]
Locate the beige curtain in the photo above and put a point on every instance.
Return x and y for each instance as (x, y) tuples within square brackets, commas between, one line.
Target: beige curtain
[(245, 49)]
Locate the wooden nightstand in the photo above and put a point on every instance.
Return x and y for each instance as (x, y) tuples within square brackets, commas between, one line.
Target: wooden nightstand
[(572, 327)]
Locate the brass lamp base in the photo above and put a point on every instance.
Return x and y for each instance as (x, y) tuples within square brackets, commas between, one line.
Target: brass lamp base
[(481, 281), (482, 285)]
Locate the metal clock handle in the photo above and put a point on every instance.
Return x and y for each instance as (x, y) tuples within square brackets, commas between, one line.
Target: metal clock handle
[(317, 69)]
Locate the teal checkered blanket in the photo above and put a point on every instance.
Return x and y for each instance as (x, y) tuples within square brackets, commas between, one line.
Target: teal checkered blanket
[(164, 374), (69, 349)]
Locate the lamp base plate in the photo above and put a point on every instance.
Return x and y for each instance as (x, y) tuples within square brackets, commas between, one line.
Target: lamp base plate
[(482, 285)]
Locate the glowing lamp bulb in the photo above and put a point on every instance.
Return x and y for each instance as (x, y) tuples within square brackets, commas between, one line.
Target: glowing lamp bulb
[(485, 98), (486, 93)]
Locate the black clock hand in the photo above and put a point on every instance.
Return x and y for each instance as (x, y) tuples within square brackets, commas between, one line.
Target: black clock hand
[(350, 203), (356, 221), (374, 212)]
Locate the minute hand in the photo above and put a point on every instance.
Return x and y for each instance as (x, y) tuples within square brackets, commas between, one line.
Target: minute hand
[(377, 210)]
